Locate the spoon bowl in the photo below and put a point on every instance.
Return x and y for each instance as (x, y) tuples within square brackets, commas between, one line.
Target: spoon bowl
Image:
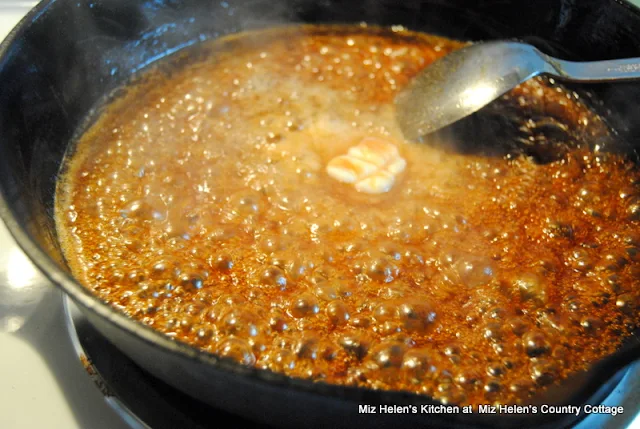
[(464, 81)]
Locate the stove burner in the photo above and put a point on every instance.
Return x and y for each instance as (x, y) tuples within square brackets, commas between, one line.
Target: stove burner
[(140, 399), (145, 402)]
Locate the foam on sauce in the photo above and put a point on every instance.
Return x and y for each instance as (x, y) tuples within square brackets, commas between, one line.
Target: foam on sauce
[(200, 203)]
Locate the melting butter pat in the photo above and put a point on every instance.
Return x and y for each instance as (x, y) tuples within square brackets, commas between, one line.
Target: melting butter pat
[(371, 166)]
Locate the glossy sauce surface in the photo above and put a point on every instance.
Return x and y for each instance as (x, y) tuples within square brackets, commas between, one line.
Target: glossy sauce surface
[(201, 203)]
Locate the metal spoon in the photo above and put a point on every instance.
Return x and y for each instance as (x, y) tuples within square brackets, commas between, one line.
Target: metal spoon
[(465, 80)]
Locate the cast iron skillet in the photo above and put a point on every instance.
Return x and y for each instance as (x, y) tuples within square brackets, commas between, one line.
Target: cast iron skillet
[(65, 56)]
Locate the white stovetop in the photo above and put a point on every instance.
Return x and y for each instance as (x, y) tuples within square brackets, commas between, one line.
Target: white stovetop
[(42, 383)]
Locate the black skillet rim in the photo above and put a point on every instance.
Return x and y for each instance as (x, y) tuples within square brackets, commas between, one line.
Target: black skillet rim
[(89, 302)]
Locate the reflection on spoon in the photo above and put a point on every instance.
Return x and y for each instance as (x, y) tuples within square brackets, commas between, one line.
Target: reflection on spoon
[(464, 81)]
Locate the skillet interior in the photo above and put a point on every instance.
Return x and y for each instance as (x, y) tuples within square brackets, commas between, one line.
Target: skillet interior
[(66, 56)]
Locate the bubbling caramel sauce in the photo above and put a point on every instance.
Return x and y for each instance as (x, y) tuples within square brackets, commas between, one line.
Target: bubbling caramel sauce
[(201, 202)]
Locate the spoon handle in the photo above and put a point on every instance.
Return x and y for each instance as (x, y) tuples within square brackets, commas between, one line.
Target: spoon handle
[(595, 71)]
